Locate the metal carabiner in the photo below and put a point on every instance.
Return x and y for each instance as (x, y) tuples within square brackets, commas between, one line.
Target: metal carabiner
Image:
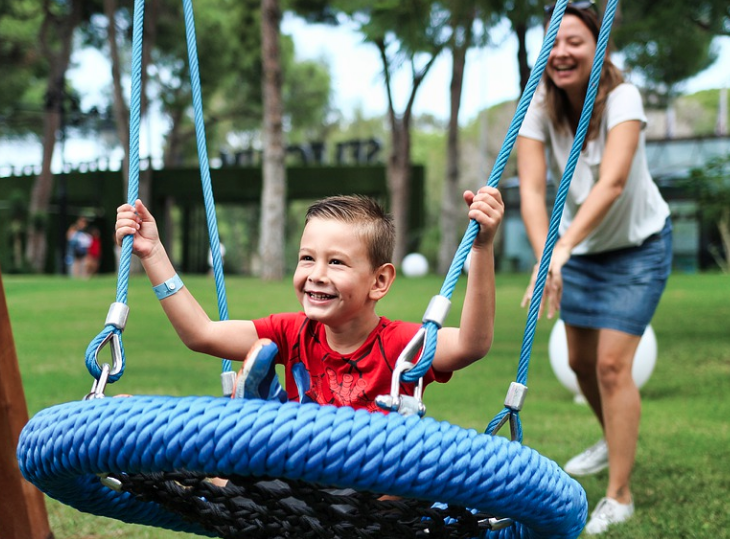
[(97, 388), (405, 404)]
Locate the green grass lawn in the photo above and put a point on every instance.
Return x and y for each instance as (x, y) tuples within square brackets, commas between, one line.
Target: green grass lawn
[(682, 476)]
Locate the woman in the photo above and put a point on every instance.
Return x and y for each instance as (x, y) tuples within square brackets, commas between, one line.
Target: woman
[(612, 260)]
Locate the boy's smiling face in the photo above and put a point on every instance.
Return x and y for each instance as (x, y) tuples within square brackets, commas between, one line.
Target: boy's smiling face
[(334, 278)]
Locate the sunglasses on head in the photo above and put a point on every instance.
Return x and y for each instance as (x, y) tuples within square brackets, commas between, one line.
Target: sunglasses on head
[(578, 4)]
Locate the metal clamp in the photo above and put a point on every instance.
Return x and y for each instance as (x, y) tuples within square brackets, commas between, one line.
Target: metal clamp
[(515, 396), (495, 523), (228, 381), (437, 310), (514, 400), (110, 482), (117, 315)]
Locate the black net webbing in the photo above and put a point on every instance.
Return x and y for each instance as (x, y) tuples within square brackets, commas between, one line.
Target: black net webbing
[(266, 508)]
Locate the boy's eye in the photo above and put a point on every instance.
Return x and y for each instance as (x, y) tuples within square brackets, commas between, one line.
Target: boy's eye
[(305, 258), (335, 261)]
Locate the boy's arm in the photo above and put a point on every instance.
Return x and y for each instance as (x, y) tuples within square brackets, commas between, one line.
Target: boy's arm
[(227, 339), (458, 347)]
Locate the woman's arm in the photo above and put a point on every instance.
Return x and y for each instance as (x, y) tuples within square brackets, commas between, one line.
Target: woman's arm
[(532, 174), (621, 144)]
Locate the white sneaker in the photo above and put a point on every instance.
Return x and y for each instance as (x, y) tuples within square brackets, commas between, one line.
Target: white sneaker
[(592, 460), (607, 512)]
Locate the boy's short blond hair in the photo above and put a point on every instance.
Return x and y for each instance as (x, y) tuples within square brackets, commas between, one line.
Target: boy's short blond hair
[(374, 224)]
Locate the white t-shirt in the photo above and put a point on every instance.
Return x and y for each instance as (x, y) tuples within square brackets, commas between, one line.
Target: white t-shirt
[(639, 211)]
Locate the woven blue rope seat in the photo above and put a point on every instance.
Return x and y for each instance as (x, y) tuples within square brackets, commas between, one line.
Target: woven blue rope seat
[(64, 449)]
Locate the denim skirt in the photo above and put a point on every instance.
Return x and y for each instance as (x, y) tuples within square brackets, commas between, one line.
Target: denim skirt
[(617, 289)]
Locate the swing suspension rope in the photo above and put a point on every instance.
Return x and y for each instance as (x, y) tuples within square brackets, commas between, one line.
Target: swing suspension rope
[(306, 453), (517, 391)]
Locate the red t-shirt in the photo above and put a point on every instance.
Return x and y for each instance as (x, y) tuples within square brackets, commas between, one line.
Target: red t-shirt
[(343, 380), (95, 248)]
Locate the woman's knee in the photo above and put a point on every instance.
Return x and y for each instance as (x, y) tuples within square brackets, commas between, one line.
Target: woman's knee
[(613, 371), (582, 366)]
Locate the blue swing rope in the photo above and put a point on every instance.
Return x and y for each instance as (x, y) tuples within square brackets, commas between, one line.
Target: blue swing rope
[(457, 264), (111, 331), (64, 449)]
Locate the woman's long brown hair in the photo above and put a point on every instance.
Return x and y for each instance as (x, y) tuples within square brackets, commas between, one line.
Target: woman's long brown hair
[(556, 100)]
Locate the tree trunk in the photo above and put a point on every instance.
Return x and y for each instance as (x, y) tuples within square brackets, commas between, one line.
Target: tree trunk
[(399, 183), (451, 193), (121, 113), (524, 67), (723, 225), (40, 197), (173, 143), (398, 171), (57, 51), (273, 196)]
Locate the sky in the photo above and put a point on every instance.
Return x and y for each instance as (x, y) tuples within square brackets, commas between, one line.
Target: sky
[(491, 77)]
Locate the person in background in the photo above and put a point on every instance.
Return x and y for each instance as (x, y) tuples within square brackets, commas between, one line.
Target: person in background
[(77, 245), (612, 260), (93, 254)]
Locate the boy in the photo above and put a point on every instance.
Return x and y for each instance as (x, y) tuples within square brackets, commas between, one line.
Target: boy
[(342, 350)]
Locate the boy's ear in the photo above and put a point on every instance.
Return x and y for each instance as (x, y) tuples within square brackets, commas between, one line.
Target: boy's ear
[(383, 278)]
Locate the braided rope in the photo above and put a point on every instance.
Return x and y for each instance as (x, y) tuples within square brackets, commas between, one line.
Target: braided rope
[(559, 204), (457, 264), (429, 347), (205, 168), (133, 193), (125, 258), (63, 448)]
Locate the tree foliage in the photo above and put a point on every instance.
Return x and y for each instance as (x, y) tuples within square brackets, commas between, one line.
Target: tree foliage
[(710, 187), (23, 69), (670, 42)]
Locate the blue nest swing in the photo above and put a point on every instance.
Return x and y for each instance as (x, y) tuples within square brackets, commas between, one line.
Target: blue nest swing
[(304, 470)]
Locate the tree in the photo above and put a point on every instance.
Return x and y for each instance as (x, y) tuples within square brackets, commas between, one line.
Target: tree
[(523, 15), (406, 34), (710, 186), (462, 22), (671, 42), (273, 197), (60, 19), (469, 22), (20, 23)]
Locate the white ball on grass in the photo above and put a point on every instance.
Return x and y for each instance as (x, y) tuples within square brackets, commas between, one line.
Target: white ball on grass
[(414, 265)]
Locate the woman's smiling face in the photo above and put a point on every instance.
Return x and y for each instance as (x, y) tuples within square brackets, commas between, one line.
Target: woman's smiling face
[(571, 59)]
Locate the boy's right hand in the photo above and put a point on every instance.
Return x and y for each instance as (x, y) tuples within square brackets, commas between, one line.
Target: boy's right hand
[(137, 221)]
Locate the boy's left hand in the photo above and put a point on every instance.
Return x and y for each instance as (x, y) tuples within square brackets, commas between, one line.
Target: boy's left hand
[(487, 209)]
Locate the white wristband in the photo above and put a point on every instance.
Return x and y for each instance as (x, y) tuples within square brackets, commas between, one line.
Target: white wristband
[(172, 286)]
